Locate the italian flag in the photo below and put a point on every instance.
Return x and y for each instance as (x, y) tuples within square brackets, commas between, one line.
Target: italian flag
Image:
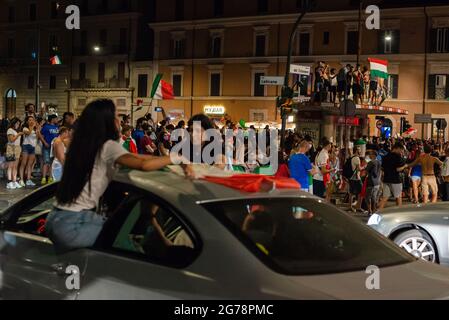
[(162, 90), (55, 60), (379, 68)]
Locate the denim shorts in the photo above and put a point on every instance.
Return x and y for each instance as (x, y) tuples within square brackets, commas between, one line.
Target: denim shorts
[(28, 149), (69, 230), (46, 155)]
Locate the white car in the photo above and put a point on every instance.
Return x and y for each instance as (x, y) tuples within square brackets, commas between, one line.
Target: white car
[(213, 243)]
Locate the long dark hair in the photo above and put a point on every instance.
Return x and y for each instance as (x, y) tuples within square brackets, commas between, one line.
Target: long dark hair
[(95, 126)]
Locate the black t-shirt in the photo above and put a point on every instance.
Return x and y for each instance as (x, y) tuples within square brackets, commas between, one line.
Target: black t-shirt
[(390, 163), (373, 170)]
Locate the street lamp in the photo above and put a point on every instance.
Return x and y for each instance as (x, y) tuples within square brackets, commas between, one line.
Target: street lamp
[(287, 92), (388, 38), (97, 49)]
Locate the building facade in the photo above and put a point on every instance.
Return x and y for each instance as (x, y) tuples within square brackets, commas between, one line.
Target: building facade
[(214, 53), (97, 61)]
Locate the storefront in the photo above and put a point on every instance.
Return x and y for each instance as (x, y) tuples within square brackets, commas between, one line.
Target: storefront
[(309, 123)]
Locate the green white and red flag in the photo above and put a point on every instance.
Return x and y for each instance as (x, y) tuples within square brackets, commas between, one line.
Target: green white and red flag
[(55, 60), (379, 68), (162, 90)]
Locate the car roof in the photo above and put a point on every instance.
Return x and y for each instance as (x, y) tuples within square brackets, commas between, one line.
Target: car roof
[(163, 182)]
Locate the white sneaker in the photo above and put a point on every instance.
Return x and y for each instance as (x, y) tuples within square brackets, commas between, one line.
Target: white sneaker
[(11, 186), (18, 185), (30, 183), (22, 184)]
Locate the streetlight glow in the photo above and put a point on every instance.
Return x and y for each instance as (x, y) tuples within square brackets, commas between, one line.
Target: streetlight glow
[(97, 49), (388, 38)]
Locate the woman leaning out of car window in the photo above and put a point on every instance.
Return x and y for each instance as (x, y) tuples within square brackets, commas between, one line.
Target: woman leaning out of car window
[(90, 164)]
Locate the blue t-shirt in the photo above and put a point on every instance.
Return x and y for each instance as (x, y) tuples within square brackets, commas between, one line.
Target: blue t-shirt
[(137, 136), (50, 132), (300, 166)]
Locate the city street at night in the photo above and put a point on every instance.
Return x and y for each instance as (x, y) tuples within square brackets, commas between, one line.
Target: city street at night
[(251, 152)]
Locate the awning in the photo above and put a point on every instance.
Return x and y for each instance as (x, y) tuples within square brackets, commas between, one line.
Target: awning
[(364, 109), (369, 109)]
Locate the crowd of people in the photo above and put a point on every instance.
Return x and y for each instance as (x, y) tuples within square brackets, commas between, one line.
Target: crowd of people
[(374, 171), (332, 85), (35, 144)]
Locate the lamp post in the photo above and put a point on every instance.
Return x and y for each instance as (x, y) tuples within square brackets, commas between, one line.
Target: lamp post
[(287, 92)]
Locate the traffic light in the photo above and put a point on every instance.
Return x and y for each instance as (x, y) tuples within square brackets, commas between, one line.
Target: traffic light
[(407, 125)]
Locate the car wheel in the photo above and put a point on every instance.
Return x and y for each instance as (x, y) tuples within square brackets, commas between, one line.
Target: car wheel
[(418, 243)]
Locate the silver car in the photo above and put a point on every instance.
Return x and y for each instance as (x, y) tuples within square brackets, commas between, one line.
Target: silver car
[(422, 230), (171, 238)]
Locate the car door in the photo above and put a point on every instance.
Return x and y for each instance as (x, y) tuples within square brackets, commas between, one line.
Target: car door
[(143, 252), (30, 268)]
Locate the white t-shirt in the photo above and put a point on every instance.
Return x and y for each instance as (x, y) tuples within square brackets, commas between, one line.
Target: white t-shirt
[(321, 161), (30, 139), (14, 133), (102, 174), (445, 171)]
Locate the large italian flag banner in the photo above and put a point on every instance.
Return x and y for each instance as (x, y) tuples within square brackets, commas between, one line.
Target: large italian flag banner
[(161, 90), (379, 68)]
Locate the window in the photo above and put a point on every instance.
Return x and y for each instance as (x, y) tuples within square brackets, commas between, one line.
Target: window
[(178, 48), (83, 47), (393, 86), (259, 90), (123, 40), (326, 36), (52, 45), (33, 11), (85, 7), (11, 14), (104, 6), (30, 82), (216, 47), (82, 71), (11, 48), (301, 4), (389, 41), (438, 88), (439, 40), (352, 42), (54, 10), (303, 236), (142, 86), (215, 84), (177, 85), (261, 46), (218, 8), (262, 6), (121, 71), (179, 10), (124, 5), (146, 229), (304, 44), (103, 38), (101, 72), (52, 85)]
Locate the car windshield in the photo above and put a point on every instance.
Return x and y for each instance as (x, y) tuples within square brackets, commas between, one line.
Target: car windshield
[(298, 236)]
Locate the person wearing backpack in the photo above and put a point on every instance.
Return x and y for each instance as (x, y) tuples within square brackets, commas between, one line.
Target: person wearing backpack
[(374, 171)]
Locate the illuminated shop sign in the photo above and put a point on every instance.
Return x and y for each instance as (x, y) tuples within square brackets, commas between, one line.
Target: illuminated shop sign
[(209, 109)]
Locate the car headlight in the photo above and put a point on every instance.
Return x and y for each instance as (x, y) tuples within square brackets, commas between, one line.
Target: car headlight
[(374, 219)]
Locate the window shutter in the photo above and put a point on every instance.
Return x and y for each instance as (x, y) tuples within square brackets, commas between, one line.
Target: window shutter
[(396, 41), (381, 41), (433, 40), (447, 86), (431, 86)]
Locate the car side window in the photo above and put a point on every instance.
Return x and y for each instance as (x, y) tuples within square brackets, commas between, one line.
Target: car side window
[(153, 232), (32, 220)]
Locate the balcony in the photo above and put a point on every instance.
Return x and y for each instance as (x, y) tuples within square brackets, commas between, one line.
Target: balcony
[(112, 83)]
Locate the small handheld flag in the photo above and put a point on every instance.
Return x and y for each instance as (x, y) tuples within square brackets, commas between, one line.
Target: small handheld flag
[(379, 68)]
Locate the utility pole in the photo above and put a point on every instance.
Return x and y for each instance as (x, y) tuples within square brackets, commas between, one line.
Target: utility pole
[(38, 57), (359, 33), (287, 92)]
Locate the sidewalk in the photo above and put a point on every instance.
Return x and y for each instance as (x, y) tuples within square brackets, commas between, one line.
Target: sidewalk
[(9, 197)]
